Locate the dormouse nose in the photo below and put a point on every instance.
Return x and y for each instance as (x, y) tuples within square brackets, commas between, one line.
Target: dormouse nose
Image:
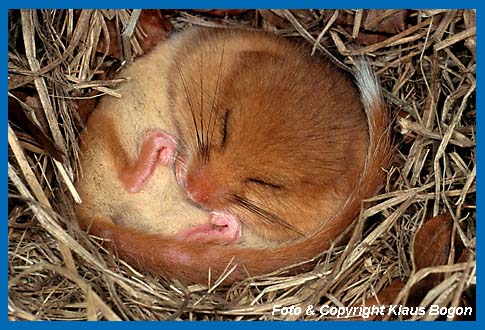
[(205, 188)]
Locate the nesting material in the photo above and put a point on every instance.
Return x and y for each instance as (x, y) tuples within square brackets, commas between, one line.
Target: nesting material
[(59, 63)]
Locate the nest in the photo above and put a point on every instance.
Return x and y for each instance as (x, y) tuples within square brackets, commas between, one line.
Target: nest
[(59, 63)]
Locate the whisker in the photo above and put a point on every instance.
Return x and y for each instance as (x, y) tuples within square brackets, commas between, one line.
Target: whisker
[(201, 105), (266, 216), (215, 99), (188, 99)]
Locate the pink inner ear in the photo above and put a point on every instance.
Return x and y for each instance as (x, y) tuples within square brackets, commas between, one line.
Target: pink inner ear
[(223, 228), (157, 147)]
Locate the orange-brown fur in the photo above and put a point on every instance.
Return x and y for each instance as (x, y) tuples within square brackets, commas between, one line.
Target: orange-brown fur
[(279, 130), (303, 129)]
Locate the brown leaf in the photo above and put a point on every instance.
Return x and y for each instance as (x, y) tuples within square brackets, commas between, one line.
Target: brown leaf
[(114, 47), (385, 21), (154, 26), (86, 105), (18, 116), (432, 248), (385, 297), (367, 39), (273, 19), (36, 105), (376, 25), (344, 18), (304, 16), (432, 242)]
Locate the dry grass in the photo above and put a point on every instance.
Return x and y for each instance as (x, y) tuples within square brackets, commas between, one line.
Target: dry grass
[(427, 71)]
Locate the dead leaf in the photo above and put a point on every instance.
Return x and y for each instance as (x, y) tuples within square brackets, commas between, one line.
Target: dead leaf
[(367, 39), (432, 242), (18, 116), (114, 46), (36, 105), (154, 27), (151, 23), (376, 25), (274, 20), (385, 297), (385, 21), (86, 104), (304, 16), (432, 246)]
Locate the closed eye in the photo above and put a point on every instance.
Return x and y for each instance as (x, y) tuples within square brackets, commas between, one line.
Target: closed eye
[(265, 183), (224, 128)]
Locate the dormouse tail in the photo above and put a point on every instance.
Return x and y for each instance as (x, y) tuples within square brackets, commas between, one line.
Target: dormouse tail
[(191, 262), (378, 118)]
